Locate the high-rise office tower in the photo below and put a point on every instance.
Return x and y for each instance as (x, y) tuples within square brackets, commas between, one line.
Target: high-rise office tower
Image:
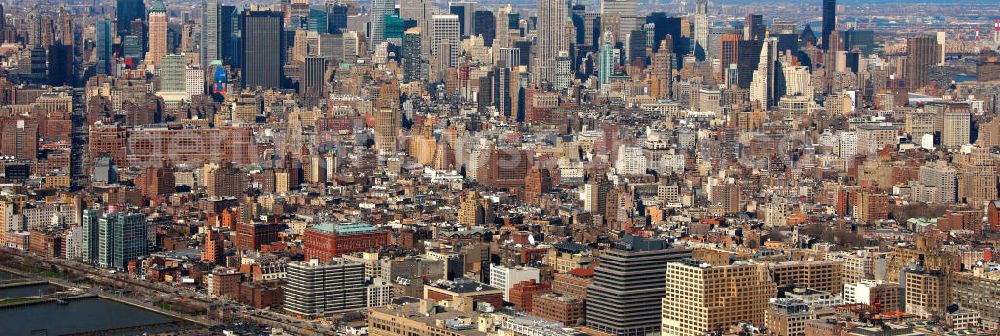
[(620, 16), (607, 61), (210, 39), (957, 129), (502, 23), (157, 32), (90, 220), (629, 283), (466, 15), (749, 58), (336, 16), (20, 139), (60, 59), (701, 29), (484, 24), (760, 85), (862, 40), (501, 91), (412, 59), (509, 58), (3, 26), (104, 42), (263, 49), (729, 45), (229, 35), (636, 55), (798, 80), (662, 69), (564, 71), (65, 27), (380, 8), (701, 298), (319, 20), (127, 11), (132, 47), (445, 41), (754, 28), (172, 72), (315, 289), (121, 238), (829, 20), (420, 10), (387, 121), (552, 17), (313, 75), (921, 53)]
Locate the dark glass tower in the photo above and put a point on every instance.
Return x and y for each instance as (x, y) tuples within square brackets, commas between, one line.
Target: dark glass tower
[(103, 47), (829, 20), (336, 14), (485, 25), (229, 35), (263, 48), (127, 11)]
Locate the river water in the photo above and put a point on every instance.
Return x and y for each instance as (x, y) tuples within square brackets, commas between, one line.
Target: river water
[(80, 315)]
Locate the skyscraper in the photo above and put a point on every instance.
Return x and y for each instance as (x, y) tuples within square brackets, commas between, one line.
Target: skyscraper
[(210, 37), (103, 47), (762, 87), (502, 22), (336, 17), (755, 28), (921, 53), (465, 11), (263, 49), (619, 16), (445, 41), (629, 283), (230, 35), (387, 121), (60, 64), (313, 77), (172, 72), (564, 71), (157, 32), (484, 24), (127, 11), (122, 238), (701, 29), (90, 221), (749, 58), (552, 17), (380, 8), (412, 58), (420, 10), (829, 20), (607, 60), (957, 129)]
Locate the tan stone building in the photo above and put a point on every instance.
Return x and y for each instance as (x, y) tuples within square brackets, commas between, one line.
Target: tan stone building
[(824, 275), (421, 319), (701, 297)]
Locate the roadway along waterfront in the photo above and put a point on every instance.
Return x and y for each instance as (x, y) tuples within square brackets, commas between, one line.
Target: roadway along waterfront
[(221, 311)]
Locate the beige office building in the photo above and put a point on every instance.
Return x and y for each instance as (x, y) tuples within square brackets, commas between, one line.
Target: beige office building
[(701, 297)]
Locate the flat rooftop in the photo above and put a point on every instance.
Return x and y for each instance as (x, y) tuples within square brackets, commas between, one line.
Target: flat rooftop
[(345, 228)]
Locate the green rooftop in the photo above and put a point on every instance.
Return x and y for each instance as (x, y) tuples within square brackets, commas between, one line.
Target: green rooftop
[(346, 228)]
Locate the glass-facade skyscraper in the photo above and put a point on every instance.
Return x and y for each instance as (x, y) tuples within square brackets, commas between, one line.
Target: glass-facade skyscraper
[(127, 11), (263, 49), (103, 48)]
